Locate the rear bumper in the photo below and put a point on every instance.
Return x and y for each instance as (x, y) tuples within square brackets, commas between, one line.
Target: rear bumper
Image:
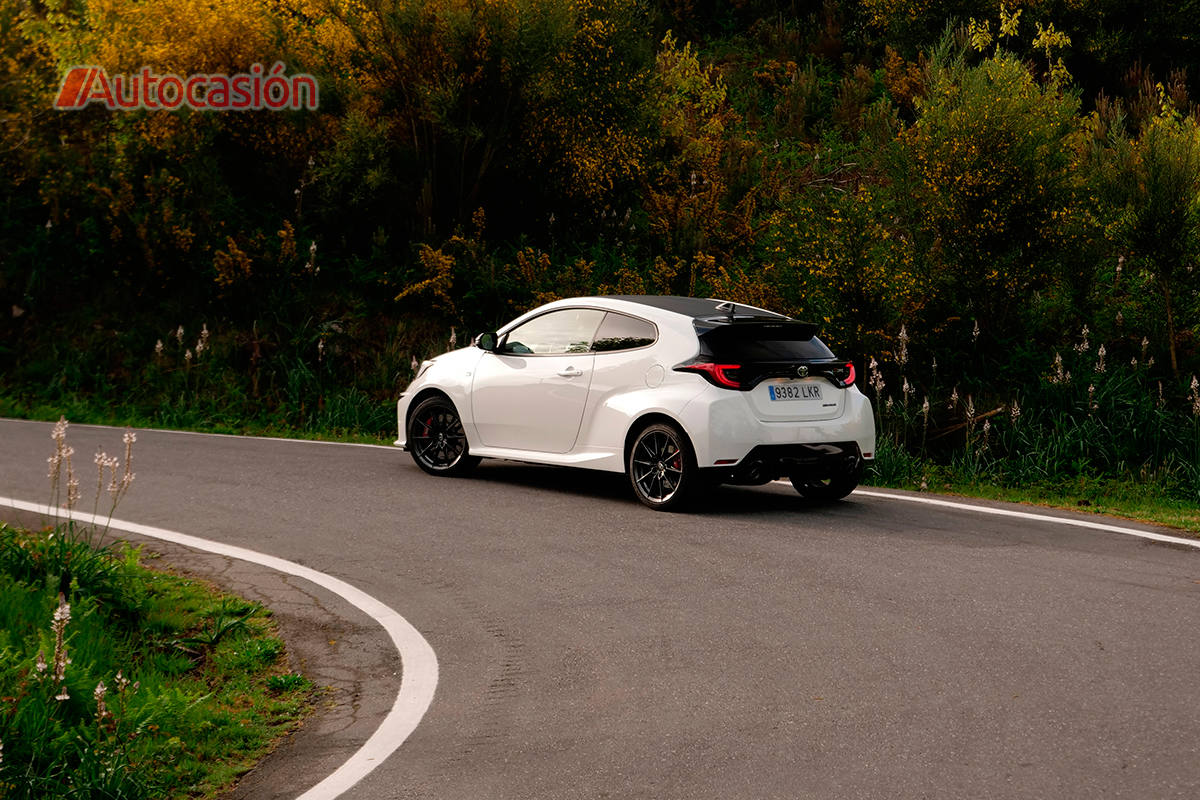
[(726, 435), (768, 462)]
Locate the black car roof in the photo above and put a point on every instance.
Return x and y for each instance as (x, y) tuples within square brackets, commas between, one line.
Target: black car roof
[(696, 307)]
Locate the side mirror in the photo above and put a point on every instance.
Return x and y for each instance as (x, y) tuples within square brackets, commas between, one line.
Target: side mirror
[(486, 341)]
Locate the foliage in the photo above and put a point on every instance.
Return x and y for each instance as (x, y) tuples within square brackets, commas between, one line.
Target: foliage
[(986, 168), (989, 177), (96, 703), (1154, 184)]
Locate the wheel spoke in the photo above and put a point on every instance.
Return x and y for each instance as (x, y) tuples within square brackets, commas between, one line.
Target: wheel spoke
[(440, 440), (657, 466)]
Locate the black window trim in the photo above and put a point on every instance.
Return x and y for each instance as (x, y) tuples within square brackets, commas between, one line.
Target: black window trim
[(653, 342), (502, 339)]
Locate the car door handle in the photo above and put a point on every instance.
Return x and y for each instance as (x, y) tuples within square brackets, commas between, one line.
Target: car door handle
[(570, 372)]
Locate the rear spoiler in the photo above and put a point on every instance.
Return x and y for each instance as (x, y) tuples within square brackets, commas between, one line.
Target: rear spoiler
[(720, 330)]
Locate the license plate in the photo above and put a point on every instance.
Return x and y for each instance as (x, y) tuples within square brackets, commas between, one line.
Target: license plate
[(795, 391)]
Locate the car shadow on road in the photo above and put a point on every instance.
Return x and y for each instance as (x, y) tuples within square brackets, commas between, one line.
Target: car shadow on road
[(740, 501)]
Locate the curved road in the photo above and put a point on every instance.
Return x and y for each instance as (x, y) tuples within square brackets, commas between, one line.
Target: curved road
[(763, 648)]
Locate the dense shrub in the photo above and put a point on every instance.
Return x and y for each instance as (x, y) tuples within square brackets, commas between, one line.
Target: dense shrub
[(874, 166)]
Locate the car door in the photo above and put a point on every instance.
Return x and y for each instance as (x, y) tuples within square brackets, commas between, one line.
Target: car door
[(530, 394)]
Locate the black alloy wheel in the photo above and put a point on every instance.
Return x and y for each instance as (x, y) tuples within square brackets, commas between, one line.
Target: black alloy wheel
[(437, 440), (662, 469)]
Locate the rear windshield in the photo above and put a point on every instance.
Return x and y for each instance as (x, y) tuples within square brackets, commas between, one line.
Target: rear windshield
[(749, 349)]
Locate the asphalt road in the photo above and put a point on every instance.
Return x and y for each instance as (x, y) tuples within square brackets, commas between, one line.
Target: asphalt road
[(761, 648)]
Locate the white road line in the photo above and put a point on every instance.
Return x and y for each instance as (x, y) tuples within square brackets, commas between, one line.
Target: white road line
[(391, 447), (1004, 512), (419, 674)]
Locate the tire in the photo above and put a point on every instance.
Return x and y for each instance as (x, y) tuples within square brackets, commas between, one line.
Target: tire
[(437, 440), (662, 468), (827, 490)]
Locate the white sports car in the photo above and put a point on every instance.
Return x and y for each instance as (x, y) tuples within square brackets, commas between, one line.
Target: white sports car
[(677, 392)]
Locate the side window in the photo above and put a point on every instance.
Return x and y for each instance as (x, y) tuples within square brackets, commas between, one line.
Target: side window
[(619, 332), (557, 333)]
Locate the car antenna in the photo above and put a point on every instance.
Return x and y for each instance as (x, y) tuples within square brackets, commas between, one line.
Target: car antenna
[(728, 308)]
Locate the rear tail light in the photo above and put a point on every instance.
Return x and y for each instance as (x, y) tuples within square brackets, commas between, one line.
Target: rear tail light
[(724, 375), (843, 375)]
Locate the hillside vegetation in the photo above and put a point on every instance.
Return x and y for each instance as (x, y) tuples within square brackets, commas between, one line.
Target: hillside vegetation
[(995, 210)]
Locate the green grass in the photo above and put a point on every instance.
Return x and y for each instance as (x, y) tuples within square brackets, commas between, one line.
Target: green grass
[(198, 683), (1138, 500), (1126, 499), (85, 410)]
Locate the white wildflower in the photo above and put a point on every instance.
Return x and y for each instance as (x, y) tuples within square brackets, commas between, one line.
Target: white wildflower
[(1014, 412), (127, 477), (1083, 346), (179, 334), (975, 333), (1058, 376), (158, 348), (98, 695), (876, 377), (62, 615), (63, 612), (101, 461), (202, 342), (1100, 366), (72, 480)]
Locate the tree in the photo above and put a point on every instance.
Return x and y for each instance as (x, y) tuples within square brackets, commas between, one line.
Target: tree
[(985, 171), (1154, 182)]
